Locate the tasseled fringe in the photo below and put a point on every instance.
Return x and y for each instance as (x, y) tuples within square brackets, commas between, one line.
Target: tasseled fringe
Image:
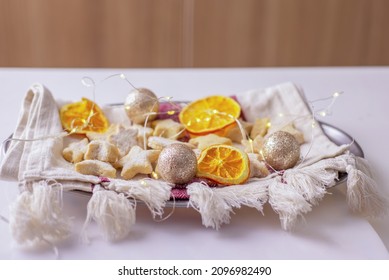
[(216, 205), (113, 212), (113, 206), (294, 194), (36, 215), (310, 182), (363, 193), (214, 211), (288, 202), (153, 193)]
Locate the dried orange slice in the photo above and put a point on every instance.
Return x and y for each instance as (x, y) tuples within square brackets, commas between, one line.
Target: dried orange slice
[(82, 117), (209, 114), (224, 164)]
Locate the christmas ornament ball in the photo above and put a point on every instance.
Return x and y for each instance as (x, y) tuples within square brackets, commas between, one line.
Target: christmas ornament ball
[(177, 164), (139, 103), (281, 150)]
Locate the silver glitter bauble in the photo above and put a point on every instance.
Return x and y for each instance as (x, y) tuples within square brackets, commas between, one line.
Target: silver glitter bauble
[(281, 150), (177, 164), (139, 103)]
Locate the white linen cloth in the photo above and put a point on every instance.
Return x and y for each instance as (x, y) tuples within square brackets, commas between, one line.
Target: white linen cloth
[(36, 161)]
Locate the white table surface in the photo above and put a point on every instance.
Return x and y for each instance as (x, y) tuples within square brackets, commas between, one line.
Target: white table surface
[(330, 231)]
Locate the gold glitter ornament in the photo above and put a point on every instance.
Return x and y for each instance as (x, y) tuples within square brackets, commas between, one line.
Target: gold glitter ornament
[(177, 164), (140, 103), (281, 150)]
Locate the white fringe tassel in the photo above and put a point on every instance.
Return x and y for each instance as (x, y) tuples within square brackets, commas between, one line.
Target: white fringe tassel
[(300, 189), (36, 215), (288, 202), (363, 193), (311, 182), (153, 193), (215, 204), (113, 212)]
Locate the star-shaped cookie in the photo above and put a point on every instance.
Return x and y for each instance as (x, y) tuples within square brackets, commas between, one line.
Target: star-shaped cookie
[(143, 132), (124, 140), (168, 129), (253, 146), (292, 130), (203, 142), (235, 133), (158, 143), (101, 150), (138, 161), (112, 129), (260, 127), (96, 168), (75, 151), (258, 168)]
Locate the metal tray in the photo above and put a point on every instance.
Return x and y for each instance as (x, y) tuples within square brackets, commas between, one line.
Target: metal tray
[(335, 134)]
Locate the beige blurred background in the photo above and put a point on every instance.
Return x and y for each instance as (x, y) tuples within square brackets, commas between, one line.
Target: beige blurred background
[(193, 33)]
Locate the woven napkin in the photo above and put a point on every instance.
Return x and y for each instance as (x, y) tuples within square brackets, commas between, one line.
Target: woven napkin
[(35, 159)]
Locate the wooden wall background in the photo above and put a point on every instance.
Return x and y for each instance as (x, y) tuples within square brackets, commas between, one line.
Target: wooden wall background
[(193, 33)]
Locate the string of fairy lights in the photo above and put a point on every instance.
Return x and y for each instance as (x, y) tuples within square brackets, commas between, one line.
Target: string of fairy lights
[(152, 113)]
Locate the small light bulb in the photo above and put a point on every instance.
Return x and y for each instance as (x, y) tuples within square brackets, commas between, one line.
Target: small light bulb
[(143, 183), (268, 124), (154, 175), (281, 115), (122, 76), (170, 113), (336, 94), (74, 130), (323, 113), (251, 145)]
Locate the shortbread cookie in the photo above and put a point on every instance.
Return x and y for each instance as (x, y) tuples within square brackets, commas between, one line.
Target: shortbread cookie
[(143, 133), (258, 167), (235, 133), (253, 146), (96, 168), (138, 161), (197, 152), (112, 129), (203, 142), (103, 151), (124, 140), (158, 143), (168, 129), (292, 130), (260, 127), (75, 151)]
